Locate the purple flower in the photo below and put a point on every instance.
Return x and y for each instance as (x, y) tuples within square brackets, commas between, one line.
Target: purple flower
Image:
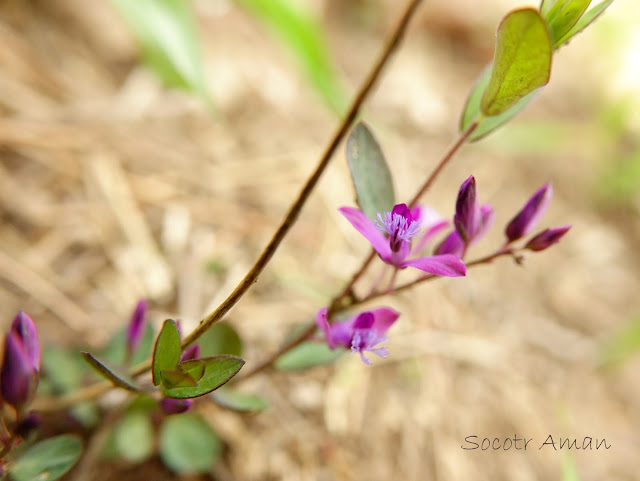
[(547, 238), (402, 225), (190, 353), (136, 326), (361, 332), (176, 406), (21, 363), (526, 220)]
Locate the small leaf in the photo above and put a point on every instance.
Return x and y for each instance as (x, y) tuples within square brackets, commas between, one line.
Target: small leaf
[(133, 436), (369, 171), (522, 62), (586, 20), (166, 30), (546, 6), (111, 373), (116, 349), (238, 401), (563, 16), (622, 346), (220, 339), (193, 368), (175, 378), (63, 367), (166, 353), (218, 370), (188, 445), (47, 460), (306, 355)]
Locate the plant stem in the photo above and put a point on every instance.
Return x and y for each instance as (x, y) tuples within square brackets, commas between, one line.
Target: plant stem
[(290, 218)]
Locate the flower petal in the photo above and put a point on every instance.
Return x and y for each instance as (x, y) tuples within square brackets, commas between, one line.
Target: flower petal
[(547, 238), (442, 265), (323, 325), (363, 224), (383, 319), (527, 219), (453, 244), (487, 216)]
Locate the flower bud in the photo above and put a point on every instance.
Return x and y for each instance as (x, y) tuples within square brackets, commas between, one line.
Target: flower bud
[(452, 244), (136, 326), (176, 406), (19, 375), (468, 216), (527, 219), (190, 353), (26, 330), (547, 238)]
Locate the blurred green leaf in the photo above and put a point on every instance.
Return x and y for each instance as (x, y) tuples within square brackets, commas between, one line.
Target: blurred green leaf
[(238, 401), (307, 355), (47, 460), (133, 436), (111, 373), (218, 370), (522, 61), (569, 468), (188, 445), (622, 180), (63, 367), (304, 36), (564, 15), (116, 350), (546, 6), (622, 346), (369, 171), (166, 31), (586, 20), (166, 353), (220, 339)]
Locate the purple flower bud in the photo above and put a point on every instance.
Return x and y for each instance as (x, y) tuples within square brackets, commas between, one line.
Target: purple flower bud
[(468, 215), (527, 219), (136, 326), (547, 238), (192, 352), (452, 244), (176, 406), (19, 376), (28, 424), (26, 330)]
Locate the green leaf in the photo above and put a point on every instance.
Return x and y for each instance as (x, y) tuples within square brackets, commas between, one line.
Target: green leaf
[(166, 353), (522, 62), (586, 20), (238, 401), (220, 339), (63, 367), (175, 378), (369, 171), (304, 36), (218, 370), (111, 373), (546, 6), (188, 445), (193, 368), (569, 468), (306, 355), (47, 460), (563, 16), (116, 350), (133, 436), (166, 31), (622, 346)]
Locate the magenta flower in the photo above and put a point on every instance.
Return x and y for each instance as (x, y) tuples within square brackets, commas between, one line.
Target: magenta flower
[(526, 220), (361, 332), (401, 225), (136, 326), (176, 406), (546, 238)]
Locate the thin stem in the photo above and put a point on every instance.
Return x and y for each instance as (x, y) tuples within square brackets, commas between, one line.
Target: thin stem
[(252, 276)]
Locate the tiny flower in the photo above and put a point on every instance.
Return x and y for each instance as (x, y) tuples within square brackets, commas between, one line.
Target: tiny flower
[(136, 326), (190, 353), (361, 332), (453, 243), (176, 406), (19, 375), (26, 330), (467, 219), (527, 219), (401, 225), (547, 238)]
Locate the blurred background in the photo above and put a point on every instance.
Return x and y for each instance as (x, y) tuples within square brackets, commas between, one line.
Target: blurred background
[(142, 157)]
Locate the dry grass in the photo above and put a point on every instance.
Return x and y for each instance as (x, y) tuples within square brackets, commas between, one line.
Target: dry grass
[(112, 189)]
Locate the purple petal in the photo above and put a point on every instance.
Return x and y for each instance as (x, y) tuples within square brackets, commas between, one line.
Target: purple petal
[(384, 317), (176, 406), (546, 238), (190, 353), (442, 265), (363, 225), (529, 216), (467, 218), (18, 378), (323, 324), (24, 327), (136, 326), (487, 216), (452, 244)]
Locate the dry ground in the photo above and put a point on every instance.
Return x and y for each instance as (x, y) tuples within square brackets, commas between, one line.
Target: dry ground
[(113, 188)]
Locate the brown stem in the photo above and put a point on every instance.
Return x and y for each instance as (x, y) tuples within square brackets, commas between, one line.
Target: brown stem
[(252, 276)]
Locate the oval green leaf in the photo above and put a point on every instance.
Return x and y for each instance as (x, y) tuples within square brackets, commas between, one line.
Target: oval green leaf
[(563, 15), (238, 401), (220, 339), (133, 436), (307, 355), (522, 62), (111, 373), (166, 353), (188, 445), (48, 459), (586, 20), (218, 370), (175, 378), (369, 171)]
